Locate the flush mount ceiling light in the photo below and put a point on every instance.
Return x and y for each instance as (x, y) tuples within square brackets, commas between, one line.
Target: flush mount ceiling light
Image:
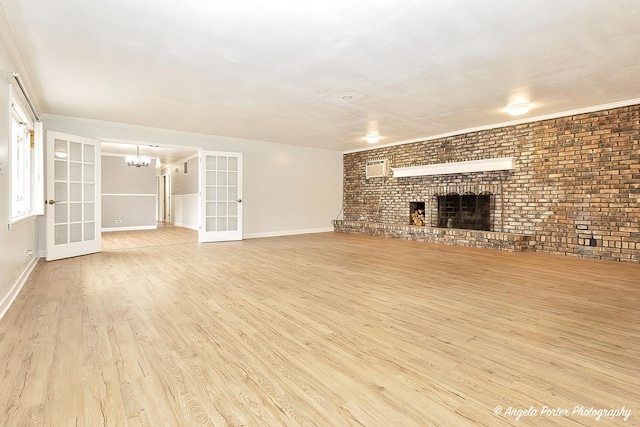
[(372, 137), (137, 160), (519, 108)]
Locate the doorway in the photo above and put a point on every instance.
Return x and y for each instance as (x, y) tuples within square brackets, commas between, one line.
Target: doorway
[(164, 198)]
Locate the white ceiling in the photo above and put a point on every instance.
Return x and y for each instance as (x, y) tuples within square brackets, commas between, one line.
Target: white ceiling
[(278, 70)]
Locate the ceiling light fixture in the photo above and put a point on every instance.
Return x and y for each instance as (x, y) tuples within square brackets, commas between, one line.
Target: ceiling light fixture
[(138, 160), (518, 109), (372, 137)]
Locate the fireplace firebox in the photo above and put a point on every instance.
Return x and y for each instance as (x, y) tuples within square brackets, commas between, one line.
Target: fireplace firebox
[(469, 211)]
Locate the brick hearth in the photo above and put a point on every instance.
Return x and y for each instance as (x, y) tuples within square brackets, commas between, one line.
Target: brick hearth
[(478, 239)]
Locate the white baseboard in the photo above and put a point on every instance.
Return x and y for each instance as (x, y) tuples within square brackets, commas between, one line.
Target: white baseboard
[(189, 226), (286, 233), (17, 287), (135, 228)]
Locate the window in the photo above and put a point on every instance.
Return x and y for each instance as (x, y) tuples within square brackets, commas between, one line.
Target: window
[(20, 166), (27, 186)]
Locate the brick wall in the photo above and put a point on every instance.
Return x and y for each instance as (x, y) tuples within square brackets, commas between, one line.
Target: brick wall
[(577, 178), (449, 236)]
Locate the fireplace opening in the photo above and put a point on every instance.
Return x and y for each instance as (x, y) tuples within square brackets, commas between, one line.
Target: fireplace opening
[(469, 211), (416, 213)]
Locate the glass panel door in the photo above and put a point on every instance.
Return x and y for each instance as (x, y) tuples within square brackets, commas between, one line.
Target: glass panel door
[(220, 189), (73, 187)]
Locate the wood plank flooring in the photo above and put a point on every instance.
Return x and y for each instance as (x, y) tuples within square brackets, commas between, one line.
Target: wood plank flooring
[(166, 234), (319, 330)]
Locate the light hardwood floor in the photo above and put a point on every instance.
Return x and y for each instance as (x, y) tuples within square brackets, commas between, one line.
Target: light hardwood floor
[(165, 234), (325, 330)]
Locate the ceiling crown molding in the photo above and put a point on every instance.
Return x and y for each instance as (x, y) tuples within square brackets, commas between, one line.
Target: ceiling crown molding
[(209, 137), (591, 109), (18, 60)]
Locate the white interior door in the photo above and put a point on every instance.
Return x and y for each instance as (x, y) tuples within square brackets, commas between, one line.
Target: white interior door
[(220, 196), (73, 190)]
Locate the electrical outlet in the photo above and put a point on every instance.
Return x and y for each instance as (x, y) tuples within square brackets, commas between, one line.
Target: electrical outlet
[(28, 253), (1, 169)]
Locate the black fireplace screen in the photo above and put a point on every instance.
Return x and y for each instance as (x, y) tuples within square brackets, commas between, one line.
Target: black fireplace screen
[(469, 211)]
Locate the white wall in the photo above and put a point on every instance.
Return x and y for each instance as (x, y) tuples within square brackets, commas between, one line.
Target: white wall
[(185, 197), (182, 183), (287, 189), (14, 264), (128, 195), (185, 210)]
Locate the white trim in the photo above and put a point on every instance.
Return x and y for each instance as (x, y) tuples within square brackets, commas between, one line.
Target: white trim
[(286, 233), (125, 141), (129, 195), (134, 228), (186, 194), (186, 159), (14, 223), (592, 109), (162, 131), (8, 300), (6, 34), (484, 165), (170, 147), (124, 156), (38, 199)]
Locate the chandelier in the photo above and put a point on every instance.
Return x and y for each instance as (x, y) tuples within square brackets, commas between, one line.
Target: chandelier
[(138, 160)]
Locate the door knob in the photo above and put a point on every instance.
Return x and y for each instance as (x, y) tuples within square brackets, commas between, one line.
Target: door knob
[(51, 202), (239, 200)]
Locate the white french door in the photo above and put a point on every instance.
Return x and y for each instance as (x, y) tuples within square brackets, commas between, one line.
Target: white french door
[(220, 196), (73, 209)]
